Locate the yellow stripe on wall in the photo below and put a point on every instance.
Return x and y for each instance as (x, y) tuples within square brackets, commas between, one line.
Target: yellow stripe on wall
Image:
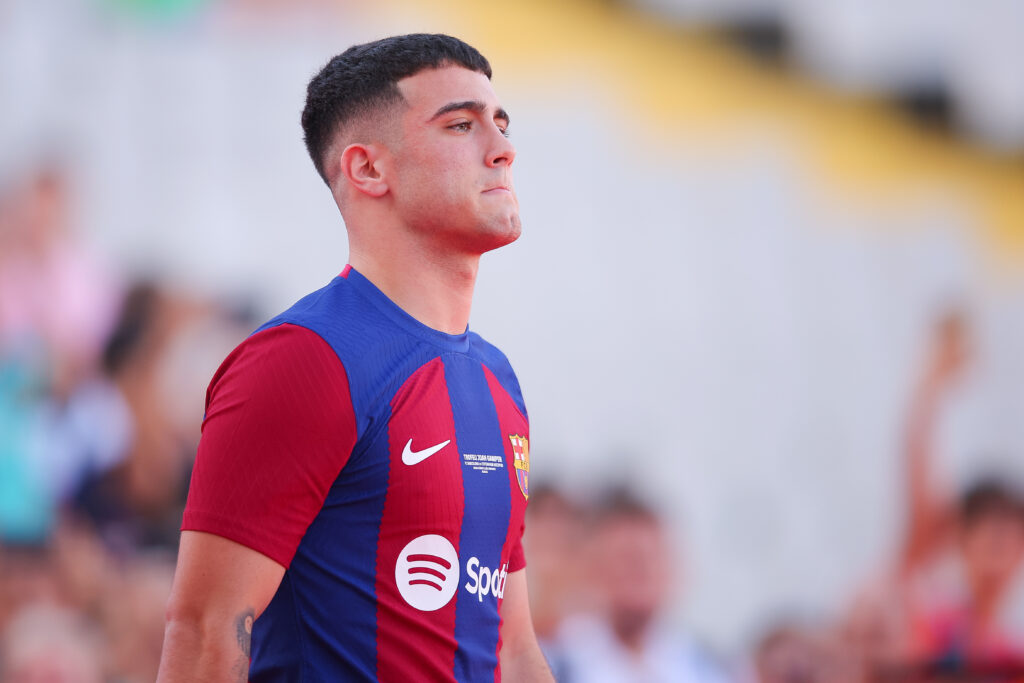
[(690, 85)]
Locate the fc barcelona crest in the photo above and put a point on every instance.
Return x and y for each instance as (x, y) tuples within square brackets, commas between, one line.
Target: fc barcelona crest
[(521, 451)]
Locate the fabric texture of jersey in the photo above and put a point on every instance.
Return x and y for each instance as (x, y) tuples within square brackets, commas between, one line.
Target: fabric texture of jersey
[(386, 466)]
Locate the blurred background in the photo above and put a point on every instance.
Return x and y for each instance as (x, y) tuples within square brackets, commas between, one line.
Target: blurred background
[(767, 311)]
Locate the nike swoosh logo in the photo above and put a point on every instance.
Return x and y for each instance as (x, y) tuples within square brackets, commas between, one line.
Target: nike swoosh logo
[(411, 457)]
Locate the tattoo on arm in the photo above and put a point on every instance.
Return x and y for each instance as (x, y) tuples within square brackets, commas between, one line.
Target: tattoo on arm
[(244, 625), (243, 631)]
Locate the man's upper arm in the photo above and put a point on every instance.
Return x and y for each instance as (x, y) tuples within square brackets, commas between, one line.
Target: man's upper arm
[(220, 588), (215, 574), (279, 427)]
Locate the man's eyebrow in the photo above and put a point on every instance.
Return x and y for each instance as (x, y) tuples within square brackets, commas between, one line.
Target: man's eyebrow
[(475, 106)]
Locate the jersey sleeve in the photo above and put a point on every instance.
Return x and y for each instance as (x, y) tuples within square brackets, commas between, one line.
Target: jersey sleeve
[(279, 428), (517, 558)]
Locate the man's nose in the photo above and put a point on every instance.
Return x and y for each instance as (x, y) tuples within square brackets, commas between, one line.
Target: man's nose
[(504, 152)]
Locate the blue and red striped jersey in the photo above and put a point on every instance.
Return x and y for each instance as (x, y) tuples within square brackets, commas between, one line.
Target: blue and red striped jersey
[(385, 464)]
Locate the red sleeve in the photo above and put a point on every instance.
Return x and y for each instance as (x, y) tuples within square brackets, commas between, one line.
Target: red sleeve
[(517, 558), (279, 427)]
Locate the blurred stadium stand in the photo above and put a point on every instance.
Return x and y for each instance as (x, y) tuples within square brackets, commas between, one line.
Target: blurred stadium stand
[(948, 52)]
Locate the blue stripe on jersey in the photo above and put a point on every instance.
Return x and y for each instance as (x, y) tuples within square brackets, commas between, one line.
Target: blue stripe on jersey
[(327, 603), (485, 516)]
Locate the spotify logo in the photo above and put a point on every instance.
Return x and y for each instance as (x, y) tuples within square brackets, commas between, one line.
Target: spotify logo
[(427, 572)]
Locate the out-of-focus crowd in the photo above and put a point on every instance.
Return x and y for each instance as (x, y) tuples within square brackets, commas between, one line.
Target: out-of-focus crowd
[(101, 385), (601, 572)]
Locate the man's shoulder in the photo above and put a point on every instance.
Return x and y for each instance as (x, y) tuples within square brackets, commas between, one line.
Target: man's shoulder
[(495, 360), (329, 321), (487, 351), (270, 354), (331, 308), (348, 322)]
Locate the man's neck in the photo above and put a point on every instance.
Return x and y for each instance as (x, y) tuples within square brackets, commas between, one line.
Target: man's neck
[(438, 292)]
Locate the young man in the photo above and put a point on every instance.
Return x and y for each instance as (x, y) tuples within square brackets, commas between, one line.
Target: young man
[(357, 503)]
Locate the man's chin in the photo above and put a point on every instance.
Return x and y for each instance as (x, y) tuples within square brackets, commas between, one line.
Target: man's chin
[(514, 228), (505, 232)]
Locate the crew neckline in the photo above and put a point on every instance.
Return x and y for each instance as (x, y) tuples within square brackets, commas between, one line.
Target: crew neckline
[(380, 300)]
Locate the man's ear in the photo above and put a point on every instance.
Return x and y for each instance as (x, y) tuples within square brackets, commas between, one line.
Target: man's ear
[(362, 165)]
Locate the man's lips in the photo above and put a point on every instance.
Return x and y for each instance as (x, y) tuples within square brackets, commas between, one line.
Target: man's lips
[(499, 188)]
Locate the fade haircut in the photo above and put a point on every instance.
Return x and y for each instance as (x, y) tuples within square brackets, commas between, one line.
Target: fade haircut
[(364, 79)]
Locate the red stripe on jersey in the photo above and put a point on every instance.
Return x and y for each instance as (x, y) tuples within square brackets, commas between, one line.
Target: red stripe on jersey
[(419, 534), (513, 423), (422, 558), (345, 271), (279, 427)]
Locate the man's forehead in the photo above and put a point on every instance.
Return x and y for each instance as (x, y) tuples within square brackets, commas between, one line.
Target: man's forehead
[(431, 88)]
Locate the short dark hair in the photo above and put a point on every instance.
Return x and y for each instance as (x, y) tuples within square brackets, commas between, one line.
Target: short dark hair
[(619, 503), (990, 497), (365, 77)]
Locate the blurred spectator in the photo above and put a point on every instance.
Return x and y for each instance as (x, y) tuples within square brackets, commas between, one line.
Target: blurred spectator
[(57, 303), (26, 576), (938, 615), (100, 406), (157, 363), (791, 653), (135, 499), (48, 644), (873, 631), (624, 638), (553, 541), (133, 615), (54, 293), (986, 531), (26, 510), (81, 566)]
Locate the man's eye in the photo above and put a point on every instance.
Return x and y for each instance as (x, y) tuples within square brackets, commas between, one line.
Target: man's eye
[(504, 131), (461, 127)]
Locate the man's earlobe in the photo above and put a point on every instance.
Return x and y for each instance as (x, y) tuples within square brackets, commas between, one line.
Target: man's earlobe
[(360, 164)]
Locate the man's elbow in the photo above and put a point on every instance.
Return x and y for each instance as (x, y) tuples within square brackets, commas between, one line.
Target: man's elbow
[(202, 645), (188, 620)]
